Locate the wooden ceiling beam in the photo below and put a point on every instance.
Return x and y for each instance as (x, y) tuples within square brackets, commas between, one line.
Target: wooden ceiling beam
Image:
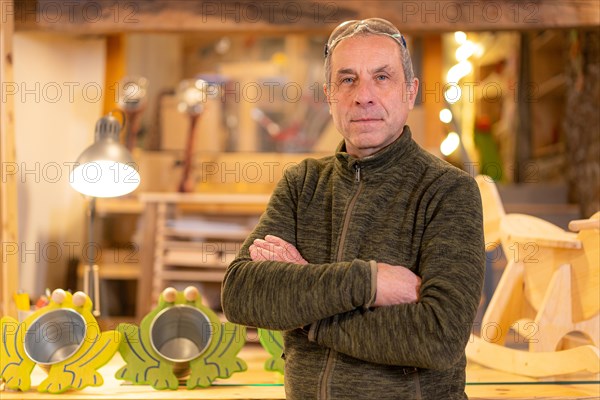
[(284, 16)]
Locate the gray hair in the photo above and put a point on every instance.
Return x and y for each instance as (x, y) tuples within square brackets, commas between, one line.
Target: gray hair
[(371, 26)]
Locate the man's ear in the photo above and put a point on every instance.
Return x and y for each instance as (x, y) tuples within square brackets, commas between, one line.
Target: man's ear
[(328, 93), (411, 92)]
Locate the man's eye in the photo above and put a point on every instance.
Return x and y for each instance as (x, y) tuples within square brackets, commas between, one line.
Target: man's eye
[(381, 77), (347, 80)]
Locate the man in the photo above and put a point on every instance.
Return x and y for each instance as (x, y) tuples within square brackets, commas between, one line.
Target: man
[(371, 261)]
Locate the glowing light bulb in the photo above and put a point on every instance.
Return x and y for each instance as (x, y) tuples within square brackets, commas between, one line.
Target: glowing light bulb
[(460, 37), (445, 116), (193, 96), (458, 71), (479, 50), (466, 50), (450, 144), (453, 94)]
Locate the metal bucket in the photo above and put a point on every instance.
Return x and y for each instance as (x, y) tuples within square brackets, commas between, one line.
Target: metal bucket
[(180, 334), (54, 337)]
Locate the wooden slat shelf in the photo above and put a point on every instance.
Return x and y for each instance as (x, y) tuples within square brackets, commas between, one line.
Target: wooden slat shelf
[(197, 199), (120, 271), (191, 243), (189, 233), (118, 205), (197, 245), (188, 259), (191, 276)]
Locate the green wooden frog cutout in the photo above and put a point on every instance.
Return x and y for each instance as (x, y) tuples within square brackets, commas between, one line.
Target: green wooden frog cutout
[(66, 317), (152, 360), (272, 341)]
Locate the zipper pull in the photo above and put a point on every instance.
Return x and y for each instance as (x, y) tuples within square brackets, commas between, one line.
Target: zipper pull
[(357, 169)]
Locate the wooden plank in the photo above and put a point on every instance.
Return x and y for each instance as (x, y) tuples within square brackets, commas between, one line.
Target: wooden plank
[(116, 69), (522, 147), (192, 276), (580, 224), (199, 234), (556, 315), (586, 269), (118, 205), (198, 259), (317, 16), (147, 251), (533, 364), (9, 274), (208, 198), (432, 75)]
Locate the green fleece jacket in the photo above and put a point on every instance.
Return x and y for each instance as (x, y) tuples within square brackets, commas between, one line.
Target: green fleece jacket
[(401, 206)]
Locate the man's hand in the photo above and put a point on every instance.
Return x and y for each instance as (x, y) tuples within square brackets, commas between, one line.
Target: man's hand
[(396, 285), (273, 248)]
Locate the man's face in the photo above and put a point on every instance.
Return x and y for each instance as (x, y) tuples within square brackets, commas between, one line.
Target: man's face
[(369, 99)]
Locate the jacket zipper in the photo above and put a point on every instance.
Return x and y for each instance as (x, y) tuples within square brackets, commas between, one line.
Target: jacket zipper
[(351, 205), (418, 385), (331, 355)]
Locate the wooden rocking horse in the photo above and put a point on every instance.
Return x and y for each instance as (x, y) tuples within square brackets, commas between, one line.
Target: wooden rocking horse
[(548, 291)]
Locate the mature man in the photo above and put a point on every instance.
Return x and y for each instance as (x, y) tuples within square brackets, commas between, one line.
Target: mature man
[(371, 261)]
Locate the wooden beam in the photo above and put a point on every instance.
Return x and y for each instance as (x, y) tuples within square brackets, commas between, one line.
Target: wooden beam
[(522, 145), (9, 263), (116, 68), (432, 75), (282, 16)]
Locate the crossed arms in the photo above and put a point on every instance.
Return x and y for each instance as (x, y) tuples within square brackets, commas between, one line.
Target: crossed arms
[(395, 284)]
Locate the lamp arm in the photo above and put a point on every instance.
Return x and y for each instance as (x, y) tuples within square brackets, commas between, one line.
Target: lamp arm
[(91, 279), (185, 184), (132, 128)]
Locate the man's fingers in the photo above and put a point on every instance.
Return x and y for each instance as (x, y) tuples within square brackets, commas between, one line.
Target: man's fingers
[(276, 252), (261, 254), (262, 243), (274, 248), (277, 248), (275, 240), (286, 249), (271, 253)]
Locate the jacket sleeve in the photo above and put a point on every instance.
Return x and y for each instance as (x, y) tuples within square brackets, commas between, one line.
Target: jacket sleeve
[(284, 296), (433, 332)]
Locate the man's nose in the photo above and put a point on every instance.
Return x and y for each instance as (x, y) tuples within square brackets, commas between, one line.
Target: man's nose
[(364, 93)]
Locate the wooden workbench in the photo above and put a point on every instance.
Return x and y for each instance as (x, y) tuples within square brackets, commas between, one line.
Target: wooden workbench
[(256, 383)]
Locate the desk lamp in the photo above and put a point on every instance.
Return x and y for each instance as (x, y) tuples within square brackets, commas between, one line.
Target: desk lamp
[(105, 169), (191, 96), (132, 101)]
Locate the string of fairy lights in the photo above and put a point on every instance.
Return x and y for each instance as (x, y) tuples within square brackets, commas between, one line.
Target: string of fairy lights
[(453, 91)]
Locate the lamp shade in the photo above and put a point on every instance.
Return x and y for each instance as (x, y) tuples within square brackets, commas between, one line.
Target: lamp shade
[(106, 168)]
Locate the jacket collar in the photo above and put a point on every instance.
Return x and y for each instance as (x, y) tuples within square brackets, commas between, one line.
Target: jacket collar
[(396, 153)]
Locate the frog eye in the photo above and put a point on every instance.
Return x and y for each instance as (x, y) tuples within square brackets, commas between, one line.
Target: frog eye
[(58, 296), (79, 299), (170, 295), (190, 293)]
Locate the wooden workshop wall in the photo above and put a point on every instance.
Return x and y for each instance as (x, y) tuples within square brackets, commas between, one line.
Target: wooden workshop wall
[(582, 123), (9, 263), (209, 16)]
